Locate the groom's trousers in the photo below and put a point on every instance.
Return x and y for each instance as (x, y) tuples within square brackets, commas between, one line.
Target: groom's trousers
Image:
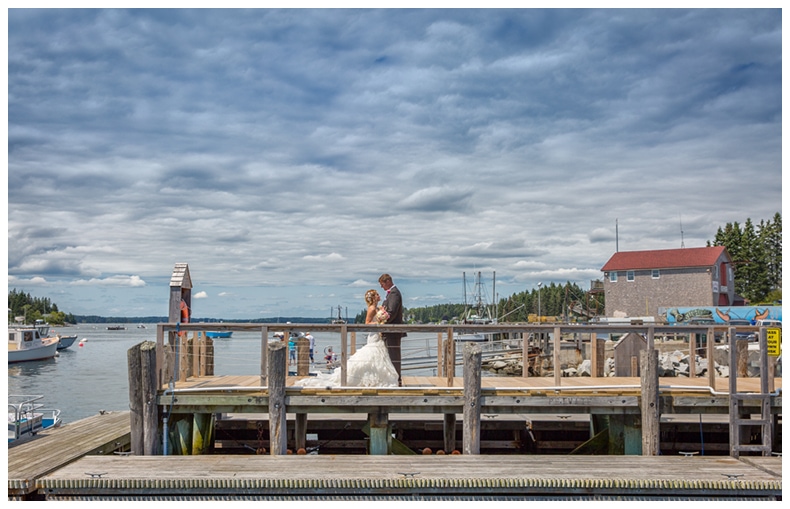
[(392, 340)]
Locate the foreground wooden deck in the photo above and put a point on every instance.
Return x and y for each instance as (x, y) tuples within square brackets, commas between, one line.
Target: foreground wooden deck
[(413, 478)]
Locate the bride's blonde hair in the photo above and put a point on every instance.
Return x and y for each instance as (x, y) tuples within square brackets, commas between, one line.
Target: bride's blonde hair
[(371, 297)]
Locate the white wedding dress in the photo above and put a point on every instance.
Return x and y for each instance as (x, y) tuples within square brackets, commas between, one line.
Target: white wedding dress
[(370, 366)]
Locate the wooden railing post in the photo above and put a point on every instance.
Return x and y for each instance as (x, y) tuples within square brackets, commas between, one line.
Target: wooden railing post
[(449, 357), (302, 356), (264, 355), (278, 352), (473, 361), (557, 341), (343, 355)]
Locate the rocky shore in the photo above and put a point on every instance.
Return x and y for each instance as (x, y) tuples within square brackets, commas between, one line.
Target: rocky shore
[(673, 361)]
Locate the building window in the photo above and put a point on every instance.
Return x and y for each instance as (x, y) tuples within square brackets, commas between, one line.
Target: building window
[(629, 275), (656, 273), (613, 277)]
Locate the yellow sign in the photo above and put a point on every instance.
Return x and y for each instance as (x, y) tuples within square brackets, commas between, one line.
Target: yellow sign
[(774, 341)]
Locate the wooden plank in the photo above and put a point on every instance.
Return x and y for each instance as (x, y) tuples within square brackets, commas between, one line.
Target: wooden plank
[(481, 475), (52, 449)]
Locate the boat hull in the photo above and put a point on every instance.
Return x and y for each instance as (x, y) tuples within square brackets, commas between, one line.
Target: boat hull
[(219, 334), (45, 351), (66, 341)]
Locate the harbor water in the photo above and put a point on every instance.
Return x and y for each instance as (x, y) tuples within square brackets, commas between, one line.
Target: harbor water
[(85, 380)]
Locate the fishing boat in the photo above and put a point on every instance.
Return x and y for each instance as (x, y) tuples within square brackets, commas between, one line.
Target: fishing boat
[(219, 334), (339, 319), (26, 344), (479, 312), (116, 327), (27, 416)]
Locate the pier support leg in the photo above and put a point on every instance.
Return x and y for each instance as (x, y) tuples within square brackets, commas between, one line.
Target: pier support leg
[(144, 415), (449, 433), (473, 361), (380, 434), (300, 432), (278, 442), (202, 433), (625, 437)]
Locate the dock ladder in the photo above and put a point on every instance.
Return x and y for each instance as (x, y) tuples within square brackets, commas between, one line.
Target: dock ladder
[(738, 402)]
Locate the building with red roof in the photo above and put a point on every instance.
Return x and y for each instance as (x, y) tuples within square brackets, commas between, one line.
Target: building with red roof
[(641, 283)]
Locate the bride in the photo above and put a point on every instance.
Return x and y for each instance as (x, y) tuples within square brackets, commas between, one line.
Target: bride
[(370, 366)]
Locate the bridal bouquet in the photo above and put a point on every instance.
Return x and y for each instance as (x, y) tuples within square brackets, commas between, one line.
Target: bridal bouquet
[(382, 316)]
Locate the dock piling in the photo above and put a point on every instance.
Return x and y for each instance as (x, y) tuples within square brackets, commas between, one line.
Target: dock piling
[(277, 415)]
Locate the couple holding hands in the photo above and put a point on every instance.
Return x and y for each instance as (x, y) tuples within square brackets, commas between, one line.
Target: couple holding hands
[(378, 363)]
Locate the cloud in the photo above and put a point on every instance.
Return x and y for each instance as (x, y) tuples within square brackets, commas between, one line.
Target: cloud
[(119, 280), (283, 156)]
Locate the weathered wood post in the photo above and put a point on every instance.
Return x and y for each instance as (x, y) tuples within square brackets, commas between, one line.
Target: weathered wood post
[(344, 355), (473, 362), (136, 401), (651, 413), (302, 356), (264, 355), (439, 355), (278, 438), (143, 385), (557, 341), (449, 358)]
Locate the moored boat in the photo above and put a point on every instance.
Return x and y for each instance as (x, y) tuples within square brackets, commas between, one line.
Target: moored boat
[(26, 344), (219, 334), (26, 416), (66, 341)]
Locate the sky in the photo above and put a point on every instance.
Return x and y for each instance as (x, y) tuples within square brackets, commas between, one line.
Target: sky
[(290, 157)]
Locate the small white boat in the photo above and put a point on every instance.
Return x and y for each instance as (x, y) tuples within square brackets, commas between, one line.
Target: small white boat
[(26, 417), (473, 336), (26, 344)]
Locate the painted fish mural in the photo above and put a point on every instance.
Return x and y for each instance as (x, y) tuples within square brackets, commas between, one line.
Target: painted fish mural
[(724, 314)]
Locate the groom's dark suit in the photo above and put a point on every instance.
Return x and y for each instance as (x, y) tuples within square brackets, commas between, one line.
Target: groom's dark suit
[(393, 303)]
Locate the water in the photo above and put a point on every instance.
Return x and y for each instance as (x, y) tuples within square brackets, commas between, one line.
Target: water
[(83, 380)]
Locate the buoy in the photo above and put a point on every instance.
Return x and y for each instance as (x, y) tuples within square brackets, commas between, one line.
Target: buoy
[(81, 343)]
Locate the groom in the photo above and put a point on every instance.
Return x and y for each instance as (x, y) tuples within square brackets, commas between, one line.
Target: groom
[(393, 304)]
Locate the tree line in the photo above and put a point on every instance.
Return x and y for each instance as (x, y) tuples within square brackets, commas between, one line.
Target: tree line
[(30, 309), (756, 252)]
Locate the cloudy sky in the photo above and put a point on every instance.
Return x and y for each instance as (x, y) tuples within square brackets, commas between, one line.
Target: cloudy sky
[(292, 156)]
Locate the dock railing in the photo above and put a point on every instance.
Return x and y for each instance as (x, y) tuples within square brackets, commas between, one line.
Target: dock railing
[(183, 350)]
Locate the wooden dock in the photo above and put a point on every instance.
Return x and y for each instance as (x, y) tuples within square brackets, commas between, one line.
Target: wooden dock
[(414, 478), (32, 458)]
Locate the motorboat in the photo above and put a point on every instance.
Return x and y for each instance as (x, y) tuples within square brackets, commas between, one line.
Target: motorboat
[(27, 417), (26, 344), (116, 327), (219, 334), (65, 341)]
